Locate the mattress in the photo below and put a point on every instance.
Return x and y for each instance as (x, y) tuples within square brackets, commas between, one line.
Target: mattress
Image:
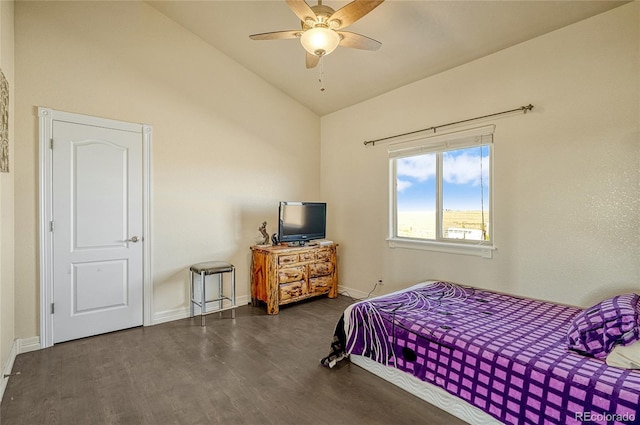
[(506, 356)]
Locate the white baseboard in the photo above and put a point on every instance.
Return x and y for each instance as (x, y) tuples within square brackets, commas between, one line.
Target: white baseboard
[(28, 344), (7, 367), (19, 346), (183, 312), (355, 293), (169, 315)]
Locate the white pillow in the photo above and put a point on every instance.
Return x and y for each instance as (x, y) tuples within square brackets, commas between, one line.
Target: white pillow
[(625, 356)]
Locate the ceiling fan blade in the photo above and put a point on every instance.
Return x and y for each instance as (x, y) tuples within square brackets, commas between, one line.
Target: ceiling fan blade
[(301, 9), (312, 60), (277, 35), (352, 12), (358, 41)]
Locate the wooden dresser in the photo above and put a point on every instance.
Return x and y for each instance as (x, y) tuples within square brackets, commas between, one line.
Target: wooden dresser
[(283, 274)]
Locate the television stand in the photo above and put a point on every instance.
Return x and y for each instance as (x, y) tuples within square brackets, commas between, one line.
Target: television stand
[(283, 274)]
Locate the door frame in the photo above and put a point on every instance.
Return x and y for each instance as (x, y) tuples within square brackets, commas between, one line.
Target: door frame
[(46, 117)]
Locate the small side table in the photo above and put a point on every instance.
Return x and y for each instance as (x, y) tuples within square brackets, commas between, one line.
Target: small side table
[(209, 268)]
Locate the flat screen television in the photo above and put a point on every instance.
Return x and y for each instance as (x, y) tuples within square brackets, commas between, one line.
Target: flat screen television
[(302, 221)]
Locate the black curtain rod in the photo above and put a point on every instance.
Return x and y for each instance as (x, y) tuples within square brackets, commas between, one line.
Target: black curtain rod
[(523, 109)]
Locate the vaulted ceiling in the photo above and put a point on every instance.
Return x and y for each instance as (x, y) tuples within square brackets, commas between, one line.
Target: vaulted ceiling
[(419, 39)]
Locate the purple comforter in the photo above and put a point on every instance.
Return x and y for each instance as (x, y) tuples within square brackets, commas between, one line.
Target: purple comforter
[(505, 355)]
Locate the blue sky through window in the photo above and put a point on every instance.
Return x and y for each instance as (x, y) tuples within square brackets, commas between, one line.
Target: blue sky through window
[(465, 180)]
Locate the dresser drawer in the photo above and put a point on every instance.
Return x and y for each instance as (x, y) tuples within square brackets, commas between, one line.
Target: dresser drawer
[(292, 274), (320, 269), (307, 256), (324, 255), (288, 259), (320, 284), (288, 291)]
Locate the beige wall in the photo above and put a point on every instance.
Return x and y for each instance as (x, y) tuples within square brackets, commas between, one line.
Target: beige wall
[(226, 145), (567, 176), (7, 324)]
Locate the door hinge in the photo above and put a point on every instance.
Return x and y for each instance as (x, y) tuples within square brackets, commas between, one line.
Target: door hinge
[(51, 226), (51, 143), (53, 308)]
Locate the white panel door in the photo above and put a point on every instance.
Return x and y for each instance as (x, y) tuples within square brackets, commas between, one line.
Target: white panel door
[(97, 230)]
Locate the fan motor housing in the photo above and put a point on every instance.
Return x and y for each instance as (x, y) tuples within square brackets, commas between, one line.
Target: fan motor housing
[(323, 13)]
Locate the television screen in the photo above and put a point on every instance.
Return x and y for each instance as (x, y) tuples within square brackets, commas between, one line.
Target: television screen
[(302, 221)]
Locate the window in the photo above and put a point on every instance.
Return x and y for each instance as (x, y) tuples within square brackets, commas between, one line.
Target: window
[(440, 192)]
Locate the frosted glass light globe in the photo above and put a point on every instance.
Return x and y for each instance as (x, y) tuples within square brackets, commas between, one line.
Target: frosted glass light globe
[(319, 41)]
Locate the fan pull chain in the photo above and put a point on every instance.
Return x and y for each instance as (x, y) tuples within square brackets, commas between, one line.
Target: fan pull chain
[(321, 79)]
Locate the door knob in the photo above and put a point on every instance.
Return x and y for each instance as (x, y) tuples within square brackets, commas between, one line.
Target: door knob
[(133, 239)]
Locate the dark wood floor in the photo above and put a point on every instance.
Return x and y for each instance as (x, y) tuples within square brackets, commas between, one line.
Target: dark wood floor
[(256, 369)]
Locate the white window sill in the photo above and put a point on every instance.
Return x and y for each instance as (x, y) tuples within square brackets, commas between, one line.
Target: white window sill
[(485, 251)]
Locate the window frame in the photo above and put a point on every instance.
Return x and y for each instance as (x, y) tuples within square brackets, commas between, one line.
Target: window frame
[(439, 144)]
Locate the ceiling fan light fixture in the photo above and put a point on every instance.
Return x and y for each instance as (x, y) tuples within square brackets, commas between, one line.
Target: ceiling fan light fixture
[(320, 41)]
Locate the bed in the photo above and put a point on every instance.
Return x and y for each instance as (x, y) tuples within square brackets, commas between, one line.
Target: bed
[(488, 357)]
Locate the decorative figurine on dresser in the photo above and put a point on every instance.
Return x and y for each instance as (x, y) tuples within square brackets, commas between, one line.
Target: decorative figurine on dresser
[(265, 234)]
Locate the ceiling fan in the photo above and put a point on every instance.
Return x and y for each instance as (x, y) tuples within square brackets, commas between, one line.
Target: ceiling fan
[(322, 28)]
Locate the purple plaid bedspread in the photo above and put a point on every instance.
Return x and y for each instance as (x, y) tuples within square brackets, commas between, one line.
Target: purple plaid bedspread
[(506, 355)]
